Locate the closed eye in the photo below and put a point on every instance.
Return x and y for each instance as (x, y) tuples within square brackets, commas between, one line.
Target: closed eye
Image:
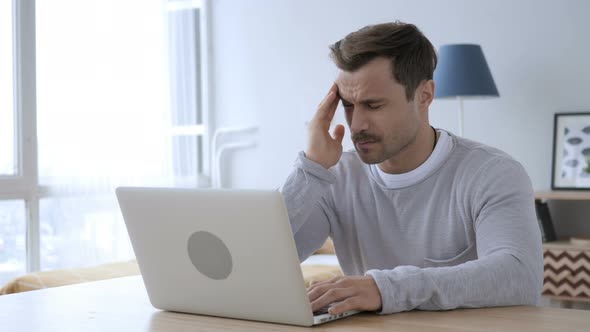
[(373, 107)]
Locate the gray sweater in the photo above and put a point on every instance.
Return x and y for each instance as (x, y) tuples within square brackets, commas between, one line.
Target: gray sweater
[(464, 234)]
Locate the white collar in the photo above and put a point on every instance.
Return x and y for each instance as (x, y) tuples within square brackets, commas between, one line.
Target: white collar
[(443, 148)]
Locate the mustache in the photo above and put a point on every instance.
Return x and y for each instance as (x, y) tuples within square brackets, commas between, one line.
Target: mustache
[(363, 137)]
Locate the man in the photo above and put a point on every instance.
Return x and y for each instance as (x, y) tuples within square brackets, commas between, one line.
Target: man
[(420, 218)]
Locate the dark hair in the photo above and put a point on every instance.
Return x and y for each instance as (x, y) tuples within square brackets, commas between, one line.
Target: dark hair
[(413, 58)]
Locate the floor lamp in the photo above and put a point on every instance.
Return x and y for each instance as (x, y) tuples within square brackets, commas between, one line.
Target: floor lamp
[(462, 72)]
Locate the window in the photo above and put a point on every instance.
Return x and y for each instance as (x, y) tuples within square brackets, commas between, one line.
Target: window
[(115, 101), (12, 239), (8, 164), (184, 27)]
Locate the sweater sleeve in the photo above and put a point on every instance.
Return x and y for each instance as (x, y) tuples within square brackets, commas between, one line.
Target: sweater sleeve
[(509, 267), (304, 193)]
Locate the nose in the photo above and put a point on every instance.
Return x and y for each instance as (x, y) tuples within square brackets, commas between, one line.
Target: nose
[(358, 121)]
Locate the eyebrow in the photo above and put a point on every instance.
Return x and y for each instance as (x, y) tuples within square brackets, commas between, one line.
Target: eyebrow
[(364, 101)]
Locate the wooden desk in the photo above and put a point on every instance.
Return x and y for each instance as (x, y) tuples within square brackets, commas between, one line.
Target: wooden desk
[(122, 305)]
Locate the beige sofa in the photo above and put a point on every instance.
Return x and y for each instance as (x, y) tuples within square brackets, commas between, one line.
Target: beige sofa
[(54, 278)]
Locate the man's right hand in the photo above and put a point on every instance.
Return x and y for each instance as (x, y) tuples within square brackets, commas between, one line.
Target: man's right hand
[(323, 148)]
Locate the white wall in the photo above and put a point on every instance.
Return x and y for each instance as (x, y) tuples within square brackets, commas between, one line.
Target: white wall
[(271, 69)]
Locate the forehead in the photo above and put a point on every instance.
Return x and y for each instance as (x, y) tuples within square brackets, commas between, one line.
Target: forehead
[(373, 80)]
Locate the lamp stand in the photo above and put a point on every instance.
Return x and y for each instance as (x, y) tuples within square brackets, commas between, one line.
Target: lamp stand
[(460, 116)]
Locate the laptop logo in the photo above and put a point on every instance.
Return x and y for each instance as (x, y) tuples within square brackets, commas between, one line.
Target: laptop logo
[(210, 255)]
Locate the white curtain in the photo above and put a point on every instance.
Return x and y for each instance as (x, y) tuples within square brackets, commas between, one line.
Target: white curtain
[(104, 120), (7, 162)]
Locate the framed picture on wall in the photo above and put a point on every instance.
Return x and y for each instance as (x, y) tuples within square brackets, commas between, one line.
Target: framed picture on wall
[(571, 152)]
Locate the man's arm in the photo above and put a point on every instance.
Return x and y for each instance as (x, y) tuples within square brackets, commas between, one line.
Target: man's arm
[(508, 271), (509, 268), (308, 212), (305, 188)]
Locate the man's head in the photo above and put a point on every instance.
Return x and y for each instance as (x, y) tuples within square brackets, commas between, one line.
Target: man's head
[(412, 56), (386, 87)]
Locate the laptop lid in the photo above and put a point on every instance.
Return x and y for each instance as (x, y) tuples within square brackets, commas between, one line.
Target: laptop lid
[(227, 253)]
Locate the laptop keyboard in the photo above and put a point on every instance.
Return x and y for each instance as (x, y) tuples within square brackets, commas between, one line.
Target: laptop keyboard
[(322, 311)]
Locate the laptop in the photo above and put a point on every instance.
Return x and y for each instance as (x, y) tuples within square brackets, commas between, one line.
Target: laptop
[(226, 253)]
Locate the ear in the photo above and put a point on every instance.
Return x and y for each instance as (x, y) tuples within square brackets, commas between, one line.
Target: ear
[(425, 94)]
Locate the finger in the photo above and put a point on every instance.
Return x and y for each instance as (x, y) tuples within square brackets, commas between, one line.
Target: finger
[(327, 99), (333, 89), (351, 303), (315, 282), (322, 282), (326, 281), (331, 296), (318, 291), (328, 108), (338, 133), (334, 107)]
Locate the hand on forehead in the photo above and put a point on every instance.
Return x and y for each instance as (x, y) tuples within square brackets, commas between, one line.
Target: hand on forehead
[(370, 82)]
